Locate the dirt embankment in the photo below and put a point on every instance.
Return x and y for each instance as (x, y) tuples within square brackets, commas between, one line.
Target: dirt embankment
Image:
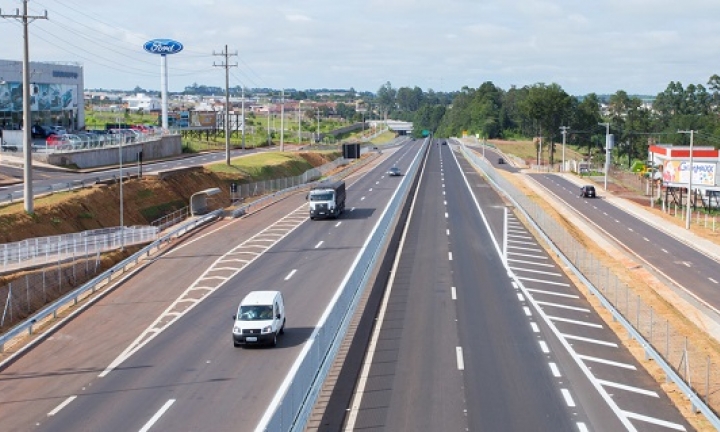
[(144, 200)]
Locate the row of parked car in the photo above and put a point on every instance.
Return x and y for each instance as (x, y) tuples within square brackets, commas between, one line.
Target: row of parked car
[(97, 138)]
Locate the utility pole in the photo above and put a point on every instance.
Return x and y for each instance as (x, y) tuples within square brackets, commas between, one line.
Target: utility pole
[(300, 123), (608, 148), (317, 140), (690, 174), (27, 121), (243, 117), (564, 130), (282, 120), (226, 64)]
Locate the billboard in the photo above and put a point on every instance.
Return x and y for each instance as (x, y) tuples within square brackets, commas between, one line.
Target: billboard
[(675, 173), (43, 97)]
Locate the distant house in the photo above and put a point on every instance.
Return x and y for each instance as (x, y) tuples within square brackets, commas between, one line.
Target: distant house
[(143, 102)]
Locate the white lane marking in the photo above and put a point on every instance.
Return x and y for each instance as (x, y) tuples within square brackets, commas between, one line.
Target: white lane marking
[(534, 327), (535, 271), (646, 239), (582, 427), (453, 293), (62, 405), (514, 285), (338, 224), (561, 306), (319, 244), (510, 241), (712, 280), (607, 362), (445, 203), (520, 297), (362, 199), (617, 221), (527, 311), (352, 209), (446, 215), (531, 263), (664, 250), (510, 235), (553, 293), (290, 274), (460, 360), (370, 190), (443, 193), (589, 340), (572, 321), (544, 347), (378, 182), (653, 420), (527, 249), (628, 388), (157, 416), (450, 256), (631, 230), (541, 257), (544, 281), (554, 369), (687, 264), (447, 231), (568, 397)]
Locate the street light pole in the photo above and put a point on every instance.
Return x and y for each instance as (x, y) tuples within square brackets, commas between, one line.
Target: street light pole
[(300, 123), (122, 212), (564, 135), (690, 175), (317, 140), (242, 104), (282, 120), (607, 150)]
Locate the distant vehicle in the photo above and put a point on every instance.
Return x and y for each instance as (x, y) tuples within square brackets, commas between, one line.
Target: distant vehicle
[(38, 131), (327, 199), (501, 161), (260, 318), (394, 171), (587, 191), (58, 130)]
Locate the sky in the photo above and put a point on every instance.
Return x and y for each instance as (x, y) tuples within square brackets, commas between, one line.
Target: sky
[(585, 46)]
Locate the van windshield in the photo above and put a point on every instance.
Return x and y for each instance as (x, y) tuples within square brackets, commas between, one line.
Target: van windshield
[(255, 313), (321, 196)]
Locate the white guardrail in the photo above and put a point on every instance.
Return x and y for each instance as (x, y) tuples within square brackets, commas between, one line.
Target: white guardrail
[(517, 198), (296, 397), (73, 297)]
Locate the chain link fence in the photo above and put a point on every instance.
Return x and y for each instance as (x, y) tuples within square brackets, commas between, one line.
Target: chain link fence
[(698, 368)]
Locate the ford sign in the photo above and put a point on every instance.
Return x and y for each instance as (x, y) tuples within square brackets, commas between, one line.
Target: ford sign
[(163, 46)]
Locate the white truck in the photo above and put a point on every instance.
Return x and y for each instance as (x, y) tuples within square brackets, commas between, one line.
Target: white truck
[(327, 200)]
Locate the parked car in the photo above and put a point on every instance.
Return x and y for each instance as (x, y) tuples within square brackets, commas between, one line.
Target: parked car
[(394, 171), (38, 131), (587, 191), (58, 130)]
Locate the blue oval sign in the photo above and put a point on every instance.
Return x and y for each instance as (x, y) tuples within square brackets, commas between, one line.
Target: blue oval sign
[(163, 46)]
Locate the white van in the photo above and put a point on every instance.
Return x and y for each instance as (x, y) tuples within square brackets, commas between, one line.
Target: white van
[(260, 318)]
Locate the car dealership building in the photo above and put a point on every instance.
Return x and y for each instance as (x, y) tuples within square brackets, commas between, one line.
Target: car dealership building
[(56, 94)]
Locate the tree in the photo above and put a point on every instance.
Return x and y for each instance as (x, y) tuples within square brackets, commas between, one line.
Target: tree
[(549, 106), (386, 98)]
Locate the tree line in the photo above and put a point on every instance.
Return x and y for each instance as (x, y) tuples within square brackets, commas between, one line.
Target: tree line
[(539, 110)]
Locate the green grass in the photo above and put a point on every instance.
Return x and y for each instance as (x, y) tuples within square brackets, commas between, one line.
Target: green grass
[(264, 166)]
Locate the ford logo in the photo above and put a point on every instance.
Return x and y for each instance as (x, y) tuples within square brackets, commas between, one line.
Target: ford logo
[(163, 46)]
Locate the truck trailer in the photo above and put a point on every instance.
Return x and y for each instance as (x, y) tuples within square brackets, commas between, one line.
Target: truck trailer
[(327, 199)]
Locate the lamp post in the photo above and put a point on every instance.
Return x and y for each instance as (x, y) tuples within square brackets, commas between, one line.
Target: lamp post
[(607, 150), (317, 139), (300, 123), (282, 120), (242, 104), (690, 174), (122, 212), (564, 130)]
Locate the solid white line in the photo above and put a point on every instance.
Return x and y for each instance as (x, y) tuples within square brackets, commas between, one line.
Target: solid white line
[(560, 306), (544, 347), (544, 281), (522, 242), (528, 255), (157, 415), (654, 420), (319, 244), (553, 293), (519, 236), (290, 274), (531, 263), (460, 361), (453, 293), (628, 388), (535, 271), (584, 339), (554, 369), (571, 321), (607, 362), (534, 327), (510, 246), (568, 397), (62, 405)]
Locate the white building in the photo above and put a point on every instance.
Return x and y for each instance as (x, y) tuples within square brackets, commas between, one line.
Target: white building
[(143, 102)]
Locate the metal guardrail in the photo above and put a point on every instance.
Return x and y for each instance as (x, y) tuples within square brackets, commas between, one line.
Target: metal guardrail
[(73, 297), (52, 249), (560, 243), (297, 394)]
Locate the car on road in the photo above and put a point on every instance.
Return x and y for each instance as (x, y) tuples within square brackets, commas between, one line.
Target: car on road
[(587, 191), (260, 319), (501, 161), (394, 171)]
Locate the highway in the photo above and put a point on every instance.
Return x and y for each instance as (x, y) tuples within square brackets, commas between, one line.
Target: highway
[(157, 351), (459, 345)]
